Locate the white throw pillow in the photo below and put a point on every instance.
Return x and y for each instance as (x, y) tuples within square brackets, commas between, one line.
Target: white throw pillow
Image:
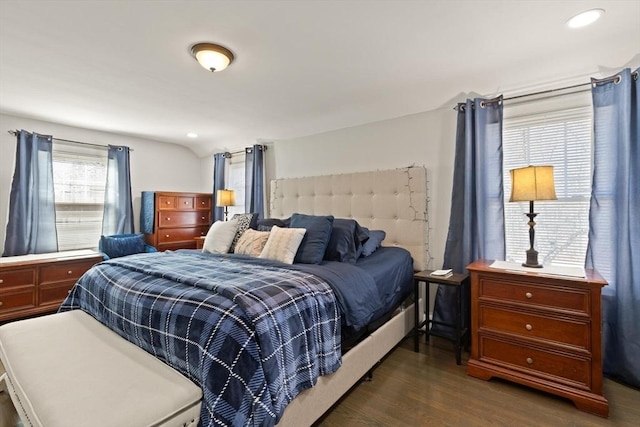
[(283, 244), (251, 242), (220, 236)]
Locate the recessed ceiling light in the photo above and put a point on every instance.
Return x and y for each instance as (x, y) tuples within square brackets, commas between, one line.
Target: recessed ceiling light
[(585, 18), (192, 135)]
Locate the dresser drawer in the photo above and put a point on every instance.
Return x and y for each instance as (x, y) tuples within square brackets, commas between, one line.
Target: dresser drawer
[(166, 202), (63, 271), (575, 332), (54, 293), (168, 235), (185, 203), (183, 219), (17, 299), (560, 367), (21, 277), (203, 203), (565, 298)]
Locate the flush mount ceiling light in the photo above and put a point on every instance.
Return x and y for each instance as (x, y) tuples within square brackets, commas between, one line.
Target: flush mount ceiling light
[(585, 18), (211, 56)]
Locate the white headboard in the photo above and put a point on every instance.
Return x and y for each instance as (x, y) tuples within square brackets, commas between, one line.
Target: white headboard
[(392, 200)]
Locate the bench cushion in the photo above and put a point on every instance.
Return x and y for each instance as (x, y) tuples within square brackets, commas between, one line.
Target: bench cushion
[(67, 369)]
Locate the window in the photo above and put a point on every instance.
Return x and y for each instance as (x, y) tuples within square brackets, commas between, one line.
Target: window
[(558, 134), (235, 182), (79, 179)]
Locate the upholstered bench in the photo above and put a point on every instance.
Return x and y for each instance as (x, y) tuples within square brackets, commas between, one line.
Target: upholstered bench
[(67, 369)]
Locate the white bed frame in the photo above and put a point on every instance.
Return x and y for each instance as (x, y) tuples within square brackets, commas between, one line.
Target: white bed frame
[(392, 200)]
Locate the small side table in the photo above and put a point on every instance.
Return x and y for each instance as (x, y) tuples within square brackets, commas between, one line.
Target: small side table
[(457, 281), (199, 242)]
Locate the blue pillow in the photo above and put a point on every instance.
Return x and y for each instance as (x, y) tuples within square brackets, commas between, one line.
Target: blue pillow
[(345, 243), (266, 223), (316, 238), (373, 242), (117, 246)]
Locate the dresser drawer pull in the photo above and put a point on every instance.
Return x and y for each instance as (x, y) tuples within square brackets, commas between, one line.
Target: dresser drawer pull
[(69, 292), (168, 218), (1, 281), (186, 203), (166, 235), (202, 218), (69, 272), (529, 360), (202, 203), (1, 303), (529, 327), (529, 295), (168, 202)]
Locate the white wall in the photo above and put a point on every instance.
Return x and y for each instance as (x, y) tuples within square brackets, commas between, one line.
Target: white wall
[(424, 139), (154, 165)]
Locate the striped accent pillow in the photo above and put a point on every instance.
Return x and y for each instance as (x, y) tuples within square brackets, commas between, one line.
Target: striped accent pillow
[(283, 243), (251, 242)]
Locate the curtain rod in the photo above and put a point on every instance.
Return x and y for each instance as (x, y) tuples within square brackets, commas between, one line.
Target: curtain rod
[(615, 78), (228, 154), (15, 133)]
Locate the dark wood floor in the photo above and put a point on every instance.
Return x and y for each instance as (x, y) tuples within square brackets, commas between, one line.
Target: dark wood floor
[(429, 389)]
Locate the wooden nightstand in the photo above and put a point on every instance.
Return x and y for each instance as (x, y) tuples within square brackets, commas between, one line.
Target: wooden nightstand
[(539, 330), (199, 242), (455, 280)]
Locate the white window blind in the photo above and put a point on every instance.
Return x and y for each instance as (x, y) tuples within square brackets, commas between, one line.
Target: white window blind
[(79, 179), (235, 182), (561, 138)]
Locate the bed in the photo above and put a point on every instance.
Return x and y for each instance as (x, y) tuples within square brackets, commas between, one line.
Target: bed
[(264, 340)]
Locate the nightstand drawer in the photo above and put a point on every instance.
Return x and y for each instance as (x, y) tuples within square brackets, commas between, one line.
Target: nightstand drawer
[(555, 297), (21, 277), (575, 332), (562, 367)]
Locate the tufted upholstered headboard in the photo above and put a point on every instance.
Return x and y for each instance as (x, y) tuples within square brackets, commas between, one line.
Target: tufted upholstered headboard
[(391, 200)]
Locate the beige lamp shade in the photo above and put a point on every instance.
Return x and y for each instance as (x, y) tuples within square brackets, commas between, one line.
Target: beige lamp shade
[(532, 183), (225, 198)]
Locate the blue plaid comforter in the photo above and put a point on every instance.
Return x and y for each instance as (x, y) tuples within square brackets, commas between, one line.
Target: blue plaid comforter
[(252, 335)]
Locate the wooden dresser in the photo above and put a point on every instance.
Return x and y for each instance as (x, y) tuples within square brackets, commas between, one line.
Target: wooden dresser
[(538, 330), (36, 284), (171, 220)]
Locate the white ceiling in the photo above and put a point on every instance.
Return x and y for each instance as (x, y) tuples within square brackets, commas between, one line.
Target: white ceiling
[(301, 68)]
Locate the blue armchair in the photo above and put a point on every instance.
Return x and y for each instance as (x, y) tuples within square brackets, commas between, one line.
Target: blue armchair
[(118, 245)]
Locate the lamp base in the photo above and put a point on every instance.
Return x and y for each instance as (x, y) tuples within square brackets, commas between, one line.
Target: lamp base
[(532, 259)]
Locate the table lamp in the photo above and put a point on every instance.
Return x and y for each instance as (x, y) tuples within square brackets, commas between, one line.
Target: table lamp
[(532, 183), (225, 198)]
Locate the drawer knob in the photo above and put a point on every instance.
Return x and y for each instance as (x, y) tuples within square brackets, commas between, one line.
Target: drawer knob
[(166, 235), (529, 360), (69, 292), (1, 281), (529, 327), (168, 218), (203, 218), (69, 272), (168, 202), (202, 203), (1, 303), (186, 203), (529, 295)]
